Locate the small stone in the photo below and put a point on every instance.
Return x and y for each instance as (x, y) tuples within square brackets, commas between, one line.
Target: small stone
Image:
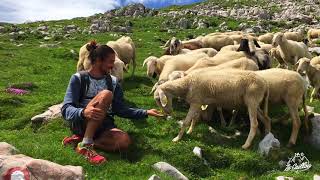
[(268, 143), (154, 177), (169, 170), (197, 151)]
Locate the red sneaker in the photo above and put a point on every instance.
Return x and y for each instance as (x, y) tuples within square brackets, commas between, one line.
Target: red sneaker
[(73, 140), (91, 155)]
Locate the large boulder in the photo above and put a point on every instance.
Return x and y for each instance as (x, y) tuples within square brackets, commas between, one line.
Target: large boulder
[(169, 170), (24, 167)]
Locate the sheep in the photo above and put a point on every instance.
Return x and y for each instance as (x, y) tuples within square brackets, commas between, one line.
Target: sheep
[(155, 65), (126, 50), (209, 51), (176, 46), (286, 87), (182, 63), (217, 41), (266, 38), (261, 57), (295, 36), (85, 64), (312, 69), (290, 51), (241, 64), (225, 89), (312, 34), (275, 54)]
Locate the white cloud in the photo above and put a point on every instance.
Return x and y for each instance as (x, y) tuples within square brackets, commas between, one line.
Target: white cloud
[(18, 11)]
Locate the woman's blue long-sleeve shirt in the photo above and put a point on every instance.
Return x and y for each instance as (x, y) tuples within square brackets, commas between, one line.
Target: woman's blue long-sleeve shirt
[(72, 107)]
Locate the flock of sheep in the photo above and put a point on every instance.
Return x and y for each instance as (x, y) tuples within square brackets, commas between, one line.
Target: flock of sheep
[(230, 70)]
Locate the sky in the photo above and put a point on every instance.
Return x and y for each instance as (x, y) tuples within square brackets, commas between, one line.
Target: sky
[(19, 11)]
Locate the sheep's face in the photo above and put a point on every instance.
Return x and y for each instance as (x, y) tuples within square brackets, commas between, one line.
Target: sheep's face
[(264, 60), (118, 69), (175, 46), (163, 100), (151, 66), (277, 39), (302, 65)]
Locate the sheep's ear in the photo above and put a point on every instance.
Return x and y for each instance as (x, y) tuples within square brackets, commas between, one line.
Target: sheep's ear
[(163, 98), (204, 107), (145, 62)]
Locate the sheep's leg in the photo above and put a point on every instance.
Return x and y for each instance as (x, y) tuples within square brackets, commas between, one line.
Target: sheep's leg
[(222, 120), (253, 126), (265, 120), (233, 118), (193, 123), (192, 114), (314, 93), (296, 123)]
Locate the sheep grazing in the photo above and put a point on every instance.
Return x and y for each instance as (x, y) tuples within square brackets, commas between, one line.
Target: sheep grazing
[(241, 64), (126, 50), (313, 34), (275, 54), (155, 65), (217, 41), (266, 38), (228, 89), (85, 64), (176, 46), (290, 51), (295, 36), (182, 63), (312, 69), (286, 87)]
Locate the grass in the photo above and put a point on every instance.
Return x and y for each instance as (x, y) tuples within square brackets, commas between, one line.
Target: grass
[(50, 69)]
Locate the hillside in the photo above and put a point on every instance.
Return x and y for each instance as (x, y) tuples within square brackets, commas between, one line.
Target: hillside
[(45, 54)]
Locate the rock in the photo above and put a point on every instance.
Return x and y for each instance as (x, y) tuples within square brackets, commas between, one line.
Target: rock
[(24, 167), (7, 149), (42, 28), (268, 143), (52, 113), (197, 151), (47, 38), (2, 29), (314, 138), (48, 45), (154, 177), (314, 50), (169, 170), (70, 27), (183, 23), (284, 178), (316, 177)]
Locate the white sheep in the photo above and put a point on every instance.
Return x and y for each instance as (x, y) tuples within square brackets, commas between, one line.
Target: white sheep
[(227, 89), (84, 63), (295, 36), (176, 46), (312, 69), (209, 51), (286, 87), (290, 51), (243, 63), (312, 34), (275, 54), (266, 38), (184, 62), (217, 41), (125, 49)]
